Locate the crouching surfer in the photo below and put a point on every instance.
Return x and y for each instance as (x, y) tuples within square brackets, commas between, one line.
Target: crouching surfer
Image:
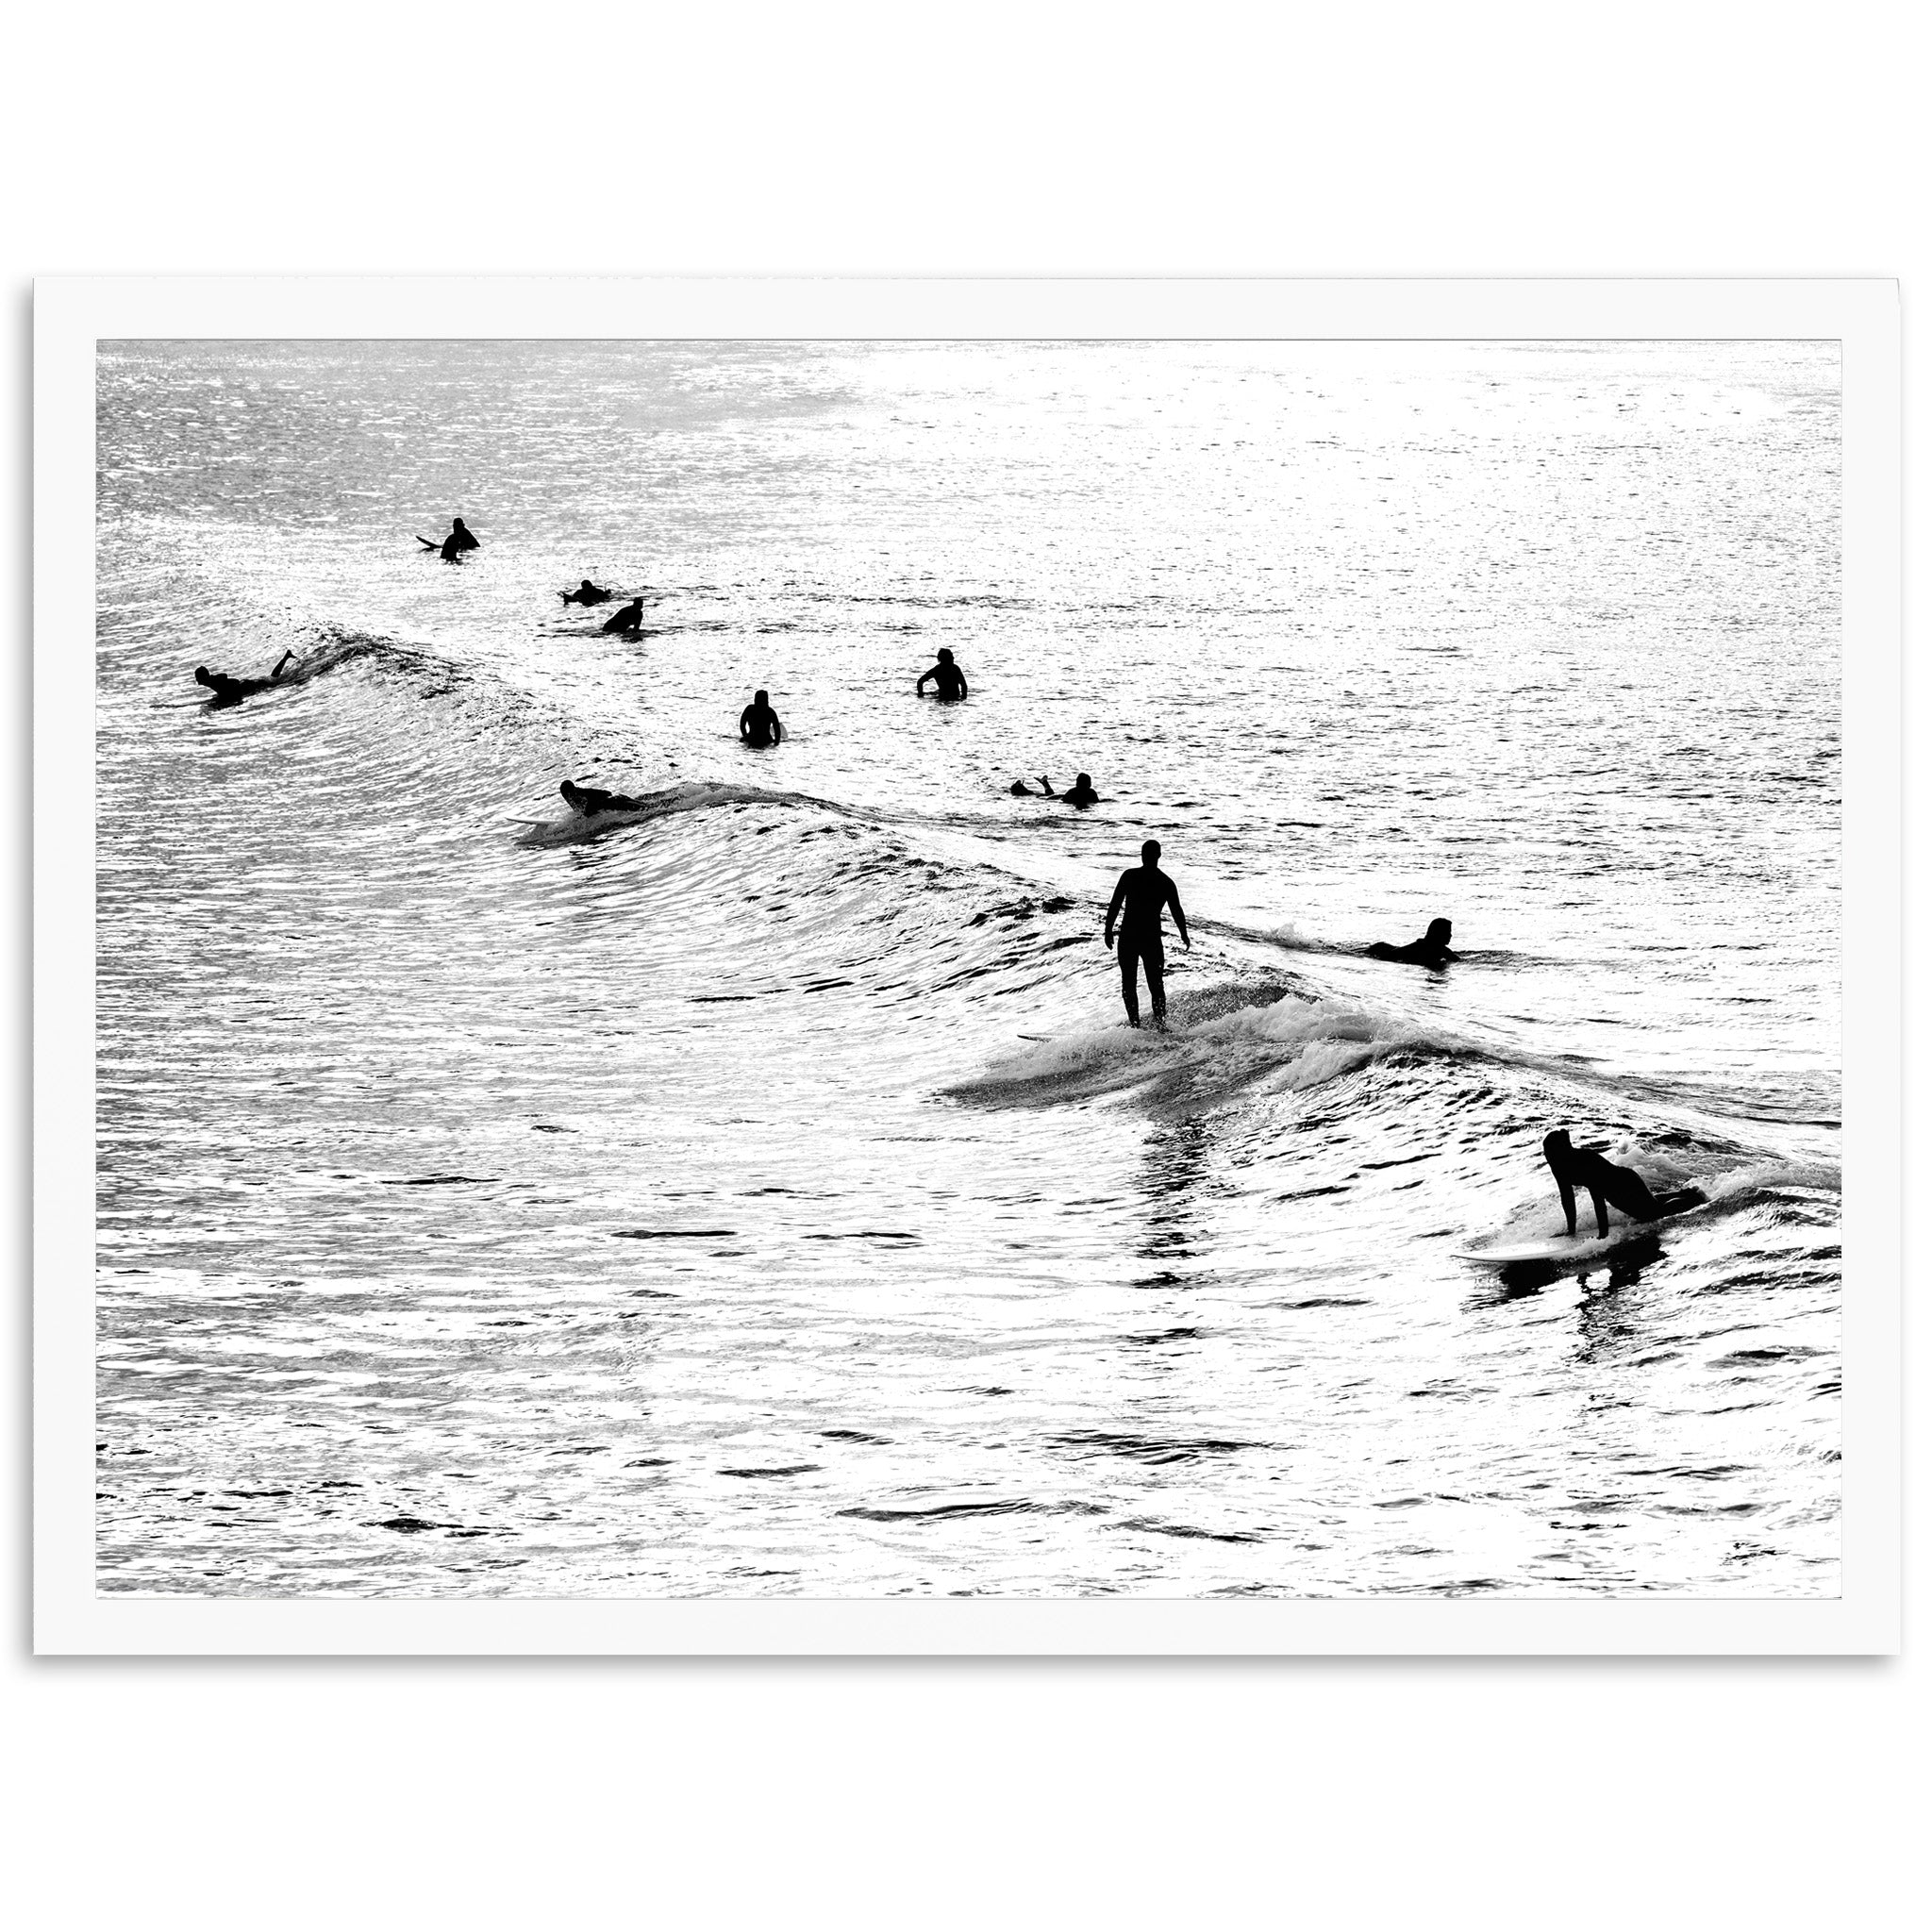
[(1432, 949), (232, 690), (1622, 1188), (587, 800)]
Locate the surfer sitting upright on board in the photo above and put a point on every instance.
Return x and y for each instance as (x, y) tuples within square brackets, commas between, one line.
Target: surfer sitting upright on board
[(757, 724), (627, 621), (1138, 899), (232, 690), (1432, 949), (947, 680), (1624, 1187), (452, 547)]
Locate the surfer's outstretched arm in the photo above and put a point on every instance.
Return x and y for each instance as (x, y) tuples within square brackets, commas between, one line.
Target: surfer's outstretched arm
[(283, 665)]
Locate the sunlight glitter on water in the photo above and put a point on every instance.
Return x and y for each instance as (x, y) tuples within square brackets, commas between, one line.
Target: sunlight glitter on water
[(760, 1195)]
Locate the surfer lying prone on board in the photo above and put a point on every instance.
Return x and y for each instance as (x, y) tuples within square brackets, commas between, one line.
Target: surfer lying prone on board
[(1432, 949), (1079, 793), (588, 800), (232, 690), (586, 593), (1622, 1188)]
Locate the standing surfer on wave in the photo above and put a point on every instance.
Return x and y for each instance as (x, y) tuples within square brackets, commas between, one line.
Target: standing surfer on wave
[(947, 680), (1139, 898), (1622, 1188), (757, 724)]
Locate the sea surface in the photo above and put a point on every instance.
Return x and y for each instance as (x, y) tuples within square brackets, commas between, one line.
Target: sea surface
[(759, 1194)]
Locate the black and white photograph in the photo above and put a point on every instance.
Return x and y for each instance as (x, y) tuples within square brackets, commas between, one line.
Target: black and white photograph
[(969, 968), (1053, 969)]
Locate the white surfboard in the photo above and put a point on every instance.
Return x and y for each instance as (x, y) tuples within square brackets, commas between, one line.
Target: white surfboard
[(1561, 1249)]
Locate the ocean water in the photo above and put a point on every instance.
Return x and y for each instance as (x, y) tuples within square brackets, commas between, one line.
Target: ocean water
[(760, 1193)]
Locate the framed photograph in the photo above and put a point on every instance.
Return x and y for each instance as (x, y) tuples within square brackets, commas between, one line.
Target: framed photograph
[(983, 967)]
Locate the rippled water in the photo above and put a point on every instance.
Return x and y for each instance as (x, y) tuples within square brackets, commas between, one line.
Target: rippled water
[(759, 1194)]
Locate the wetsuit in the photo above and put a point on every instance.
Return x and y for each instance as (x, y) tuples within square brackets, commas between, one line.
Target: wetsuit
[(586, 593), (588, 800), (1080, 795), (232, 690), (1416, 952), (630, 618), (948, 681), (1624, 1187), (758, 724), (1138, 900)]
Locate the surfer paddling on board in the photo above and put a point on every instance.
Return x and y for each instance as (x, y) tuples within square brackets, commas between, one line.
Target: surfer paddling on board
[(587, 800), (232, 690), (1079, 793), (947, 680), (1622, 1188), (757, 724), (452, 547), (627, 621), (1432, 949), (588, 593), (1138, 899)]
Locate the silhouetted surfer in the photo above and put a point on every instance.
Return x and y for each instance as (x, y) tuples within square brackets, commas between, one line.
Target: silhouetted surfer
[(628, 620), (232, 690), (1624, 1187), (588, 800), (947, 680), (1138, 901), (452, 547), (588, 593), (1432, 949), (1080, 791), (757, 724)]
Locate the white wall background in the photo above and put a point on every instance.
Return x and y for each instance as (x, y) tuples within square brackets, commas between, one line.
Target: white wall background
[(1685, 137)]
